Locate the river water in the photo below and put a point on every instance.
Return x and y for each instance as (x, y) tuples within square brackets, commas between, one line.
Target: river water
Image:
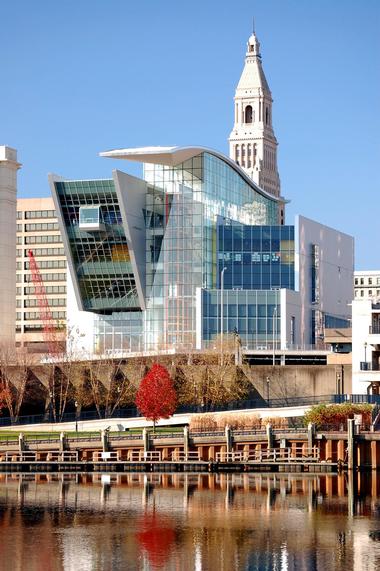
[(189, 522)]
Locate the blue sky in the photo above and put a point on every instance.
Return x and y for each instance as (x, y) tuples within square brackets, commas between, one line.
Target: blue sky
[(79, 77)]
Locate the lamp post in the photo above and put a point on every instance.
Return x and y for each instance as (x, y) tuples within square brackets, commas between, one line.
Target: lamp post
[(221, 311), (51, 406), (274, 333), (76, 416), (268, 382), (365, 352)]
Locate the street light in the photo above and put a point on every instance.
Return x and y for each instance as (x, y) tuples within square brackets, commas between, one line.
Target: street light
[(268, 381), (274, 332), (76, 416), (51, 406), (365, 352), (221, 311)]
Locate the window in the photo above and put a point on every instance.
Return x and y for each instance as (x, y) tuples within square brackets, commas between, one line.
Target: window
[(41, 227), (362, 293), (356, 281), (55, 239), (248, 114), (40, 214), (369, 281), (361, 281), (89, 215), (369, 292)]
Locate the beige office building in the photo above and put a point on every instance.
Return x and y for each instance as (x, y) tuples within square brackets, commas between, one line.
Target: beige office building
[(367, 284), (37, 230)]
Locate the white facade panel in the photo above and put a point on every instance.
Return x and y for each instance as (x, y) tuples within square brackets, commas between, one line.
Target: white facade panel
[(333, 276)]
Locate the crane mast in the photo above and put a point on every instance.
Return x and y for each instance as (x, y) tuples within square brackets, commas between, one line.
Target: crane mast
[(46, 316)]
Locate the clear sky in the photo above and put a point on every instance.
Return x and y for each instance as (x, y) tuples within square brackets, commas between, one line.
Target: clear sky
[(81, 76)]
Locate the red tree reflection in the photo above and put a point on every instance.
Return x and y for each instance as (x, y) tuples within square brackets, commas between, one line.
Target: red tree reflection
[(156, 538)]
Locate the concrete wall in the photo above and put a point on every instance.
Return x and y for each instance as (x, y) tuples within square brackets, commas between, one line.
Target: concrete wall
[(298, 381), (8, 198)]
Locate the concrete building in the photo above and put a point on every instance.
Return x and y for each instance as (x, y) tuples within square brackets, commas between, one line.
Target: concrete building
[(253, 144), (365, 346), (8, 196), (367, 284), (37, 230)]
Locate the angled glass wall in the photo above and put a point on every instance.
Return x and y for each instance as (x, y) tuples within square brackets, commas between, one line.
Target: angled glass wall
[(98, 245)]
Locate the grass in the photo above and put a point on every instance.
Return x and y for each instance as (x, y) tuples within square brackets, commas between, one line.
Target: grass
[(7, 435)]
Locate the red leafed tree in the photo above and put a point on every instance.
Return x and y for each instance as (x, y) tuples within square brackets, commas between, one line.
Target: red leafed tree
[(5, 396), (156, 397)]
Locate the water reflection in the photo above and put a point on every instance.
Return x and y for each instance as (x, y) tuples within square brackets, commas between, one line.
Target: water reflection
[(189, 522)]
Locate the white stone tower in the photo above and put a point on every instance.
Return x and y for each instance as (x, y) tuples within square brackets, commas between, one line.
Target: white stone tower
[(8, 209), (252, 142)]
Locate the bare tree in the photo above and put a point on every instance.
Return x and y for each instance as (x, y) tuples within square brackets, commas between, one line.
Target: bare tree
[(211, 377), (15, 375)]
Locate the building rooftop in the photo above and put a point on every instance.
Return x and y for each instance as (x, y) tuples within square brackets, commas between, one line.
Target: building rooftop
[(172, 156)]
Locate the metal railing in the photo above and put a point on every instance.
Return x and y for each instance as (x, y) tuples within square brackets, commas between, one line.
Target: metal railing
[(374, 329), (369, 366), (278, 402)]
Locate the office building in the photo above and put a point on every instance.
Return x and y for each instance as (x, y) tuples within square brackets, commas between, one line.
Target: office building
[(148, 257), (8, 196), (367, 284), (37, 230), (365, 346)]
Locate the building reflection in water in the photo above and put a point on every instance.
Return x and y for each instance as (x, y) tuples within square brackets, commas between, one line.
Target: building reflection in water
[(189, 522)]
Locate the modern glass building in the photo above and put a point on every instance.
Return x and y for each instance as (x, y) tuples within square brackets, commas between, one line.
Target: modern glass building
[(146, 255)]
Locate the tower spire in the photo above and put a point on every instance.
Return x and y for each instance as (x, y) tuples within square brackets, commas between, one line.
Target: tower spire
[(253, 144)]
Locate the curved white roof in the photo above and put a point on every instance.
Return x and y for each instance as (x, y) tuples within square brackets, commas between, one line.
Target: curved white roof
[(172, 156)]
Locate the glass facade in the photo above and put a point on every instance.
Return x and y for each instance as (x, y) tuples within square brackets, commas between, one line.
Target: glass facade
[(183, 207), (101, 257), (255, 257), (253, 314)]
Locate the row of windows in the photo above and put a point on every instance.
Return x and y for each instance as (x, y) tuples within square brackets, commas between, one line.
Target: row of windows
[(31, 315), (33, 302), (41, 252), (45, 278), (55, 239), (38, 214), (241, 326), (46, 264), (369, 292), (48, 289), (368, 281), (38, 227)]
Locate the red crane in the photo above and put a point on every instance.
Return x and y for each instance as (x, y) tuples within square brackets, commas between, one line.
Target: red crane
[(46, 316)]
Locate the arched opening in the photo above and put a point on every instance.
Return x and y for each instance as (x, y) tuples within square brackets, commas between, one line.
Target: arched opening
[(248, 114), (266, 116)]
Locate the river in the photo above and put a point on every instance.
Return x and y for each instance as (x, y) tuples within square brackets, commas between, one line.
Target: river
[(180, 522)]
